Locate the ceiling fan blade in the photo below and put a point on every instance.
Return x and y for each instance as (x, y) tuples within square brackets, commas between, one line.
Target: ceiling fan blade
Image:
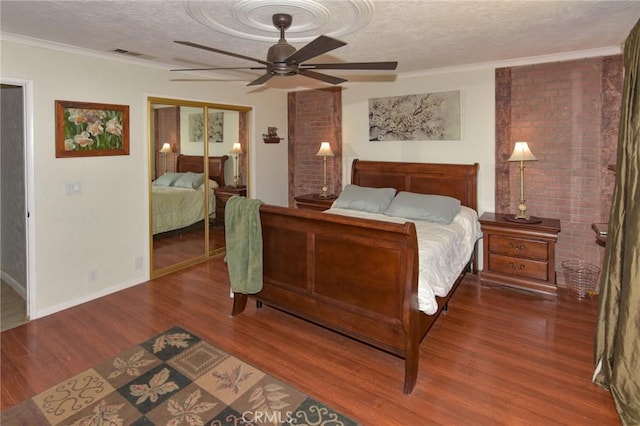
[(323, 77), (193, 79), (207, 79), (261, 80), (223, 52), (220, 68), (320, 45), (352, 66)]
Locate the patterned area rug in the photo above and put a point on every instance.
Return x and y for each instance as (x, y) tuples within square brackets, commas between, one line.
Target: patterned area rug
[(174, 378)]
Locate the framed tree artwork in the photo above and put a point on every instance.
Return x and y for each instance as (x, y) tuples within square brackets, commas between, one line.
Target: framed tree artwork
[(216, 127), (430, 116), (86, 129)]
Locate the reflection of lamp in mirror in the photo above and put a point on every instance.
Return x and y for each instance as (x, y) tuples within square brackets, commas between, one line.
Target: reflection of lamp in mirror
[(522, 153), (324, 152), (166, 148), (236, 149)]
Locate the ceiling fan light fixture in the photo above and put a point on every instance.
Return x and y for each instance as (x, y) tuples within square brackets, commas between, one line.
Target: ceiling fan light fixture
[(284, 72)]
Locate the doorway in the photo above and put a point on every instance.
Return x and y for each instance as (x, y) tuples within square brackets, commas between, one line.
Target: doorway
[(13, 189)]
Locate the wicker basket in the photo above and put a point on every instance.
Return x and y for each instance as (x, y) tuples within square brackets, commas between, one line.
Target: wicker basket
[(581, 277)]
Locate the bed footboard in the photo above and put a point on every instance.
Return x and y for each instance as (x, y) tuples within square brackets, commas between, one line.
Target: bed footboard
[(356, 276), (359, 276)]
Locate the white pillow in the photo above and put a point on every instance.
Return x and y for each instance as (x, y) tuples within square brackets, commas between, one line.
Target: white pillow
[(189, 180), (432, 208), (212, 184), (167, 179), (373, 200)]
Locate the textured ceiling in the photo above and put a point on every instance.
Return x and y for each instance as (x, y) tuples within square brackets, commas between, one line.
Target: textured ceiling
[(420, 35)]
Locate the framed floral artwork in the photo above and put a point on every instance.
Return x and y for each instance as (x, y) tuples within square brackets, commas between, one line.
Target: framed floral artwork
[(90, 129)]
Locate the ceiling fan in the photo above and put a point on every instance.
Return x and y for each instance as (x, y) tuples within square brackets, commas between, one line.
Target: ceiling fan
[(284, 60)]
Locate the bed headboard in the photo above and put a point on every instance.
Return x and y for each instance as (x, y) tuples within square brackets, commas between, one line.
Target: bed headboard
[(195, 164), (454, 180)]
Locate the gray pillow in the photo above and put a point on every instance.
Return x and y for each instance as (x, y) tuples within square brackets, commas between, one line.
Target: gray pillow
[(167, 179), (432, 208), (373, 200), (190, 180)]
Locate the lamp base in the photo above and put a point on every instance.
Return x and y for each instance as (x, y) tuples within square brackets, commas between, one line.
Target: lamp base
[(516, 219), (325, 191)]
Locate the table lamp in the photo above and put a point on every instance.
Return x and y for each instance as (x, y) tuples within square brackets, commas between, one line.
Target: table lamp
[(236, 150), (522, 153), (166, 148), (324, 152)]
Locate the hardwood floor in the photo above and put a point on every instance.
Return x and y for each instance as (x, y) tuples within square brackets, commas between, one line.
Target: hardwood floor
[(496, 357), (170, 248)]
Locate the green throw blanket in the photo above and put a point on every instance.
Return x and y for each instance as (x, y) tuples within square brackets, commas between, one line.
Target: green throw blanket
[(243, 235)]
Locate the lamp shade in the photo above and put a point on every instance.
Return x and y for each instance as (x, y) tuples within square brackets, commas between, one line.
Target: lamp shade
[(236, 149), (166, 148), (325, 150), (521, 152)]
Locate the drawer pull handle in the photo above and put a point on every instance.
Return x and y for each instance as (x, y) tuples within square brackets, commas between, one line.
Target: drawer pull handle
[(516, 247), (516, 268)]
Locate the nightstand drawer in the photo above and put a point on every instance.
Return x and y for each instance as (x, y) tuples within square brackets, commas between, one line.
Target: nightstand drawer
[(531, 249), (520, 255), (518, 267)]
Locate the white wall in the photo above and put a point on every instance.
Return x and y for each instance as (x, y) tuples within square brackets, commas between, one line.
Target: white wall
[(106, 227), (477, 121)]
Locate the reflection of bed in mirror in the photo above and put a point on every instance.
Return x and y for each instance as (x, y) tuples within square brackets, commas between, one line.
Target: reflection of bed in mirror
[(178, 197)]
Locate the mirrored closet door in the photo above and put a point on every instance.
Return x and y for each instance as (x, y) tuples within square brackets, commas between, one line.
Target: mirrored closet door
[(198, 152)]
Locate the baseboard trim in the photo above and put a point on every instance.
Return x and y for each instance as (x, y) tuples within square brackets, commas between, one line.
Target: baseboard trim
[(15, 285)]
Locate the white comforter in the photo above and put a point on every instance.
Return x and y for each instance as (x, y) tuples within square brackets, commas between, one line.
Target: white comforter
[(175, 208), (443, 250)]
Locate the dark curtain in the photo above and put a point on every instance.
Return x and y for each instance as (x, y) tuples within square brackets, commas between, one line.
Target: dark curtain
[(617, 345)]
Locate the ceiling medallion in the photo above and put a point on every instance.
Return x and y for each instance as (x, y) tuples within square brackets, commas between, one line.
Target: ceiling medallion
[(251, 19)]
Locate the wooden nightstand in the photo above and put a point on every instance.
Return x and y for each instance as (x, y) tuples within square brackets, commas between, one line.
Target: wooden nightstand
[(223, 194), (314, 202), (520, 255)]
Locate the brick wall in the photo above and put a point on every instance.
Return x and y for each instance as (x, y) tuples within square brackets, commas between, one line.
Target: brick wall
[(167, 130), (314, 116), (568, 112)]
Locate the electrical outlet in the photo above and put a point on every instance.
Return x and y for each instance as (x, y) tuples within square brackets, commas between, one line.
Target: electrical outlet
[(138, 262), (93, 275)]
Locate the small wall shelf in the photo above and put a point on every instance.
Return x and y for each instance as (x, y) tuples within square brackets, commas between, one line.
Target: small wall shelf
[(271, 140), (271, 136)]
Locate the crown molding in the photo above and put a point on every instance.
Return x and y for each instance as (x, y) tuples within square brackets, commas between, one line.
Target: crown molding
[(531, 60), (567, 56), (61, 47)]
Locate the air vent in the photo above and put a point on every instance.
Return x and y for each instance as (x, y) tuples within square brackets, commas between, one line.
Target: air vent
[(134, 54)]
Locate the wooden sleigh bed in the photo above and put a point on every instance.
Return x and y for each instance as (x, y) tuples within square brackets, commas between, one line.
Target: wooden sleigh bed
[(357, 276)]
